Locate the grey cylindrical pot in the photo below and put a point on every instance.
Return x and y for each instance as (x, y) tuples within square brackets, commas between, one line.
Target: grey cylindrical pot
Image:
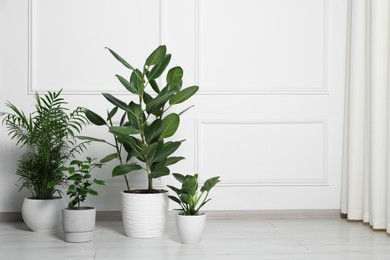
[(78, 224)]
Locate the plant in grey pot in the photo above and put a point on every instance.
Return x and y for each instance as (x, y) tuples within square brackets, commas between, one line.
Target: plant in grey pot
[(48, 135), (190, 222), (78, 221), (139, 139)]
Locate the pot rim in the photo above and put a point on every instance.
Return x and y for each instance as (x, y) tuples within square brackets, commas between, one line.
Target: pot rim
[(80, 208), (34, 199), (200, 214)]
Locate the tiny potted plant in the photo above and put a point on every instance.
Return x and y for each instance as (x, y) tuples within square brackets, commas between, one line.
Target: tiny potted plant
[(79, 221), (190, 222), (48, 133)]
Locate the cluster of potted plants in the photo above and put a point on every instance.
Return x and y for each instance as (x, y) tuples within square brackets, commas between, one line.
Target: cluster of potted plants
[(139, 143)]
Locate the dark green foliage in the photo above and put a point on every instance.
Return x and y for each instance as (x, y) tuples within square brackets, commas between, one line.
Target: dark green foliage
[(188, 197), (49, 135), (145, 124), (81, 179)]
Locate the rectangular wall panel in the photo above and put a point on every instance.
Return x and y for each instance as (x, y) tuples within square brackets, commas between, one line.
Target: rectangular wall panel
[(263, 152), (263, 46), (67, 40)]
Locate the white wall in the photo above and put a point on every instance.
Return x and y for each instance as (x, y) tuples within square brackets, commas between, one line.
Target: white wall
[(267, 119)]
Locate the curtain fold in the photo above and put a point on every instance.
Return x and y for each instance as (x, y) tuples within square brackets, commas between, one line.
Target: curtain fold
[(366, 148)]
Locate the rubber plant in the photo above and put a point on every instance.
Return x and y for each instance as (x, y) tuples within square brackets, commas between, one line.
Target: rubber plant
[(146, 120)]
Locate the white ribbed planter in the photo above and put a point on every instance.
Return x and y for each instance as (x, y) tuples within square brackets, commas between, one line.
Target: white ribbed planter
[(144, 215), (190, 228), (78, 224), (42, 215)]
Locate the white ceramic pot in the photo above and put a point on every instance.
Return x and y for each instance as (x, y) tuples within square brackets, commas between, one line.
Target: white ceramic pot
[(190, 228), (78, 224), (42, 215), (144, 215)]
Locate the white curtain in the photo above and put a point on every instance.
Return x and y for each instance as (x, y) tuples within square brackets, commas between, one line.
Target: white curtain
[(366, 151)]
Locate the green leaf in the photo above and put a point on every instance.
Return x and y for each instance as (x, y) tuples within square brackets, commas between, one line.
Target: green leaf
[(109, 157), (157, 173), (94, 118), (154, 86), (209, 184), (156, 56), (170, 124), (99, 182), (87, 138), (158, 101), (53, 183), (116, 102), (158, 69), (134, 114), (185, 198), (112, 113), (120, 59), (125, 169), (164, 150), (149, 151), (174, 199), (123, 130), (136, 81), (179, 177), (152, 132), (174, 76), (183, 95), (173, 160), (127, 85), (93, 192), (176, 190)]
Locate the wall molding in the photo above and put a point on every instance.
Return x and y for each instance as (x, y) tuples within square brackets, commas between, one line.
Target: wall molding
[(280, 90), (32, 52), (259, 182)]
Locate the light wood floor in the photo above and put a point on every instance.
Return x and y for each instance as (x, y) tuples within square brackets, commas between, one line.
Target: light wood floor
[(223, 239)]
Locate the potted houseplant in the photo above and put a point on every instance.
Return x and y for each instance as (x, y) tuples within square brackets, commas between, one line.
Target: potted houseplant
[(48, 135), (190, 222), (78, 221), (139, 139)]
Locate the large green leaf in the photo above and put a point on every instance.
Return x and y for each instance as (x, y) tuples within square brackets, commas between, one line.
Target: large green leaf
[(179, 177), (170, 125), (158, 101), (174, 76), (164, 150), (116, 102), (156, 56), (157, 173), (94, 118), (149, 151), (112, 113), (174, 199), (173, 160), (134, 114), (123, 130), (125, 169), (120, 59), (137, 82), (154, 86), (183, 95), (153, 131), (109, 157), (209, 184), (127, 85), (158, 69)]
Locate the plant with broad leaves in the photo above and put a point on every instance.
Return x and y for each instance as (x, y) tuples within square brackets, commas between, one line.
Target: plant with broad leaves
[(49, 135), (188, 196), (146, 121), (80, 176)]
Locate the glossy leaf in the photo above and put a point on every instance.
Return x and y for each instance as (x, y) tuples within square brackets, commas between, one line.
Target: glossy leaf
[(158, 69), (158, 101), (174, 76), (183, 95), (179, 177), (152, 132), (94, 118), (116, 102), (154, 86), (173, 160), (209, 184), (125, 169), (164, 150), (120, 59), (123, 130), (170, 125), (157, 173), (156, 56), (174, 198), (109, 157), (136, 82), (127, 85), (112, 113)]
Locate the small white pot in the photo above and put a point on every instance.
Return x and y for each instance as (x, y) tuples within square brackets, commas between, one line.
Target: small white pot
[(42, 215), (78, 224), (144, 215), (190, 228)]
